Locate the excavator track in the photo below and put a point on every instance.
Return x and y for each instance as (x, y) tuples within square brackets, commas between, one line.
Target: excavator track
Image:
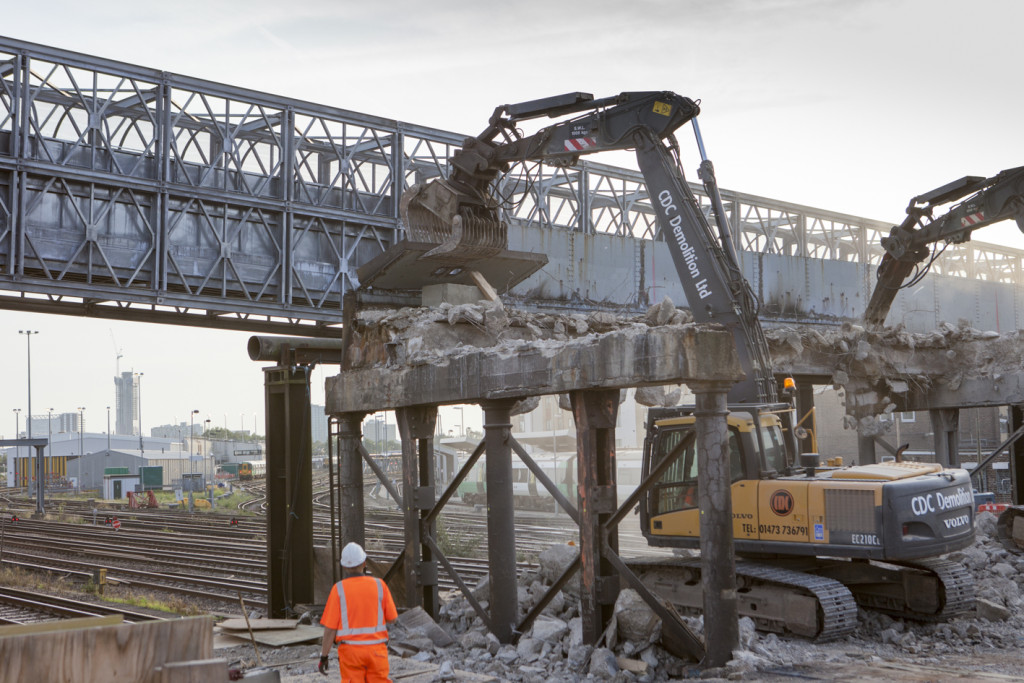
[(922, 590), (777, 599)]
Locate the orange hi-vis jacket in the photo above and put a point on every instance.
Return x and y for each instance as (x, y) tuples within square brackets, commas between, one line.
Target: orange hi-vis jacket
[(359, 608)]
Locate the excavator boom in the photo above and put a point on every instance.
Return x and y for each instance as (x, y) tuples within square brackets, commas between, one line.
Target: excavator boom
[(909, 244)]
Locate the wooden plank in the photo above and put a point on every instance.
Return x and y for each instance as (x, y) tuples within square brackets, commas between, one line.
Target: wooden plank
[(128, 652), (483, 285), (61, 625)]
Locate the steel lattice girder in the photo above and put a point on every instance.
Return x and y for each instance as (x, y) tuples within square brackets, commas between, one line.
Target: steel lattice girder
[(153, 195)]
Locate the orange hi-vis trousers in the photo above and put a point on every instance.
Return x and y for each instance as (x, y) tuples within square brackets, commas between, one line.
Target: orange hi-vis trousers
[(363, 663)]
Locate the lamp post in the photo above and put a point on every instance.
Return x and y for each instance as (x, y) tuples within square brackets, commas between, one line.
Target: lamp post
[(17, 449), (81, 447), (191, 441), (28, 347), (142, 448)]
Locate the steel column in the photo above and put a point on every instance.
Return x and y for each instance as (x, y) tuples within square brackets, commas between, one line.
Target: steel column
[(718, 557), (1016, 458), (289, 489), (805, 404), (350, 479), (501, 530), (40, 481), (595, 413), (416, 430), (945, 426)]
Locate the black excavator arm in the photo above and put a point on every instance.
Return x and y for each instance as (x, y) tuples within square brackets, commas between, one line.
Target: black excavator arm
[(461, 215), (909, 244)]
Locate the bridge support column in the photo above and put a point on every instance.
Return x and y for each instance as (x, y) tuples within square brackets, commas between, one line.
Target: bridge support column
[(945, 423), (289, 489), (416, 429), (595, 413), (714, 496), (501, 526), (1016, 457), (350, 480)]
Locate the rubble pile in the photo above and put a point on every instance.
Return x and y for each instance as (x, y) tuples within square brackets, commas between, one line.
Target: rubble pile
[(414, 336), (553, 648)]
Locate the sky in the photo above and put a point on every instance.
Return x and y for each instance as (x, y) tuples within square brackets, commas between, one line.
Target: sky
[(853, 106)]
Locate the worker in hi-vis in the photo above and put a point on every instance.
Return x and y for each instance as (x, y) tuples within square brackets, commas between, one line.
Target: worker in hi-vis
[(356, 617)]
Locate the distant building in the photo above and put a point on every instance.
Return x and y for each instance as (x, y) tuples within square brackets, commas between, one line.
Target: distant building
[(126, 401), (178, 431), (53, 423), (318, 424)]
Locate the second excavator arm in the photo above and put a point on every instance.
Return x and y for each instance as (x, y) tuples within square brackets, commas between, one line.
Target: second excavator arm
[(910, 244)]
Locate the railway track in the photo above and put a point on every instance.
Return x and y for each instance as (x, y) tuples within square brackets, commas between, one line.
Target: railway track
[(215, 556), (23, 607)]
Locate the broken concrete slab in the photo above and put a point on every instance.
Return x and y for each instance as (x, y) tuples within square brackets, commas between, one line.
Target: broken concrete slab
[(417, 621), (258, 624), (637, 355), (890, 369)]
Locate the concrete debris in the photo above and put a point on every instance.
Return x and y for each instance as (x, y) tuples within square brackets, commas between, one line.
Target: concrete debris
[(884, 370), (413, 336), (553, 648), (662, 395), (636, 620), (879, 370)]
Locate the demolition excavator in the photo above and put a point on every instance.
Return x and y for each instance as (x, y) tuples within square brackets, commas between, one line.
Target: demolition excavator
[(913, 245), (814, 541)]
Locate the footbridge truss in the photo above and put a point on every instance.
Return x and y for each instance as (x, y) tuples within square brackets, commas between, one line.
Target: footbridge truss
[(129, 192)]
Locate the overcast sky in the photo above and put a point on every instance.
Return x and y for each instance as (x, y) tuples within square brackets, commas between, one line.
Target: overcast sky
[(847, 105)]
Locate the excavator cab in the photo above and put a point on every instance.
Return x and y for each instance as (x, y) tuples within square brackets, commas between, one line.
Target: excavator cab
[(757, 447)]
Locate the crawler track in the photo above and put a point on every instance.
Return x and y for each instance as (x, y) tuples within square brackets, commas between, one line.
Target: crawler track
[(776, 599)]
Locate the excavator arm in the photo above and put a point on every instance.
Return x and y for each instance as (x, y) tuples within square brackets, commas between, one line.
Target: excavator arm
[(909, 244), (461, 215)]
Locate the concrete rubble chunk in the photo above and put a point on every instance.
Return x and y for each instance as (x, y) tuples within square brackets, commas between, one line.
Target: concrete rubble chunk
[(555, 559), (990, 611), (637, 622), (603, 664), (548, 629)]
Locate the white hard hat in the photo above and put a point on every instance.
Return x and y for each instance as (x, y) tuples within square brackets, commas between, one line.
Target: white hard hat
[(352, 555)]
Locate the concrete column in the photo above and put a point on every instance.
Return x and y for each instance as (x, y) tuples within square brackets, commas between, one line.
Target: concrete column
[(945, 425), (416, 429), (350, 479), (501, 532), (595, 413), (718, 556), (866, 454)]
